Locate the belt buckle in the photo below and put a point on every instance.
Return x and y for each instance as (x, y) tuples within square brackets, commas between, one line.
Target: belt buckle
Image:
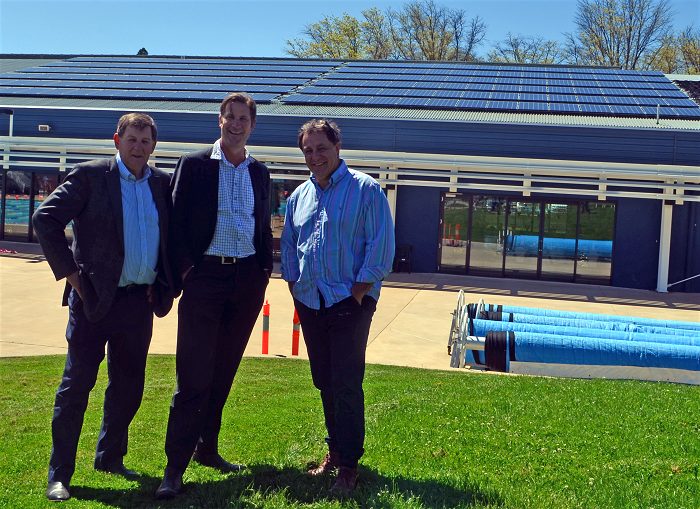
[(224, 260)]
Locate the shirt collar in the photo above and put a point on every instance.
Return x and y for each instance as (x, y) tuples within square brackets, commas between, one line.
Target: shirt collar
[(125, 174), (336, 176), (218, 154)]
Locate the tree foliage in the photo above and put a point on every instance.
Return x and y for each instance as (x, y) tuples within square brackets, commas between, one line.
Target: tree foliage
[(619, 33), (331, 37), (629, 34), (522, 49), (678, 53), (420, 30), (689, 45)]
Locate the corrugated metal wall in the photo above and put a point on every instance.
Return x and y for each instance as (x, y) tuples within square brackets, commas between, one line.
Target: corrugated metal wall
[(637, 228)]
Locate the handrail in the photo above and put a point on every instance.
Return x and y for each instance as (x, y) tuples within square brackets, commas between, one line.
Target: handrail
[(526, 176)]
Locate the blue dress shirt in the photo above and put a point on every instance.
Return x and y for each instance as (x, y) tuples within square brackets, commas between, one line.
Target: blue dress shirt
[(141, 230), (336, 237)]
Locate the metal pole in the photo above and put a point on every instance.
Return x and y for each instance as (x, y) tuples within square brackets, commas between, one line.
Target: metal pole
[(5, 167)]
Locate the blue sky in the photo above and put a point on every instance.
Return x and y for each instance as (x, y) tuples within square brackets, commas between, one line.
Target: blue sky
[(242, 27)]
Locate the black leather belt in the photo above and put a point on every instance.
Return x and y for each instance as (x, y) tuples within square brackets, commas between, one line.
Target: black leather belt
[(131, 288), (227, 260)]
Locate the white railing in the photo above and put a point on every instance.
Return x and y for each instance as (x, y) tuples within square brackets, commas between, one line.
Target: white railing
[(600, 180)]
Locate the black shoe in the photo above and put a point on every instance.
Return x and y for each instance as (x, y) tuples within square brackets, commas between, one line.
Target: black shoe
[(118, 469), (57, 492), (170, 487), (216, 461)]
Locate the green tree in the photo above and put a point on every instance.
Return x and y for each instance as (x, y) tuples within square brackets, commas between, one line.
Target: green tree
[(420, 30), (619, 33), (331, 37), (667, 57), (375, 35), (689, 47)]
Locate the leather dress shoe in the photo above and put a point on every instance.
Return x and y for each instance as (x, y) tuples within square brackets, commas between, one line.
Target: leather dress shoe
[(170, 486), (345, 483), (118, 469), (57, 491), (216, 461), (329, 463)]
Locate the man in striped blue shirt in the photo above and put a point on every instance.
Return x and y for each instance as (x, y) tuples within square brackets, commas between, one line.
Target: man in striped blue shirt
[(337, 246)]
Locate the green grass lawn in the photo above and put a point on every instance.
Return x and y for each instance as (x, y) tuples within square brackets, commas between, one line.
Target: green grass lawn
[(434, 439)]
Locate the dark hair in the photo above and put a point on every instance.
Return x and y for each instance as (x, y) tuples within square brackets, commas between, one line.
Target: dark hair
[(328, 127), (139, 121), (239, 97)]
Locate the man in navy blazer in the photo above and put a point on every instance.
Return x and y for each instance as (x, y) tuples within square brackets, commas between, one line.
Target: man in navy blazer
[(117, 276), (221, 240)]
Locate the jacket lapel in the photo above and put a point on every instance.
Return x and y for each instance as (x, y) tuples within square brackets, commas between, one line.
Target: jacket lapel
[(161, 206), (115, 197)]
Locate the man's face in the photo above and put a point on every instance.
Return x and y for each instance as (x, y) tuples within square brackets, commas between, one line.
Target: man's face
[(322, 157), (236, 125), (135, 146)]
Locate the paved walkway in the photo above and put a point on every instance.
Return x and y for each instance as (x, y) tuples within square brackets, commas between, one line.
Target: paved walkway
[(410, 327)]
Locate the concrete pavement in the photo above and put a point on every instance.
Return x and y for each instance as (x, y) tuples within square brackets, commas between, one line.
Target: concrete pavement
[(410, 327)]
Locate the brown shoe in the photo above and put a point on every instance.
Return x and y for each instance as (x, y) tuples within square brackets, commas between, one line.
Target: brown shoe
[(345, 483), (329, 463)]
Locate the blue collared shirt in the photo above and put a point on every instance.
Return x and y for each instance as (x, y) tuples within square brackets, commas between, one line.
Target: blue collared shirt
[(336, 237), (141, 230), (235, 223)]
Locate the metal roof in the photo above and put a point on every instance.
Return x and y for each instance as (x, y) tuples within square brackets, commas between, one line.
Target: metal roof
[(348, 112), (17, 64), (12, 63)]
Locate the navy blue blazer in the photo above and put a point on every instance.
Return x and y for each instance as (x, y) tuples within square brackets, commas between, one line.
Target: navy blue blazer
[(195, 193), (90, 196)]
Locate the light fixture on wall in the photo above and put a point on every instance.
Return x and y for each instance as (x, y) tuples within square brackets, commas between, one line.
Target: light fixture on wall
[(44, 128)]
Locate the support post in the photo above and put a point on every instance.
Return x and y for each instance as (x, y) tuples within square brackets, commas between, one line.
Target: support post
[(664, 247)]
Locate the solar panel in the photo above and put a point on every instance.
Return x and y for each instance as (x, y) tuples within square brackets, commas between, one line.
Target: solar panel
[(398, 84)]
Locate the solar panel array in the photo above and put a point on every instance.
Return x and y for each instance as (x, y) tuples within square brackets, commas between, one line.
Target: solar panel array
[(412, 85), (509, 88), (168, 79)]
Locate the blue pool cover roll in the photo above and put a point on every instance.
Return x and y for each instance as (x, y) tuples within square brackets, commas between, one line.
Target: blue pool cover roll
[(595, 324), (695, 326), (546, 348), (480, 327)]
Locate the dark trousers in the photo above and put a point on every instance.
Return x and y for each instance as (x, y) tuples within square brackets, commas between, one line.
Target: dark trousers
[(216, 314), (127, 332), (336, 340)]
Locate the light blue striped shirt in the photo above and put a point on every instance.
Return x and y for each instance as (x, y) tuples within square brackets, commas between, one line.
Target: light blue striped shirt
[(141, 230), (336, 237), (235, 224)]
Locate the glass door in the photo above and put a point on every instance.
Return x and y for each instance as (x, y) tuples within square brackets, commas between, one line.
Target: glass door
[(17, 193), (487, 235), (455, 224), (595, 245), (559, 241), (522, 241), (44, 184)]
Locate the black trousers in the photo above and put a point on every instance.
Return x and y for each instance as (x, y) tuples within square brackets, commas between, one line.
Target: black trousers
[(336, 340), (216, 314), (127, 332)]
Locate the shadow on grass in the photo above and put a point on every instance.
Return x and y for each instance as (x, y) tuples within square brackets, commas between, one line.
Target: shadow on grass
[(261, 483)]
